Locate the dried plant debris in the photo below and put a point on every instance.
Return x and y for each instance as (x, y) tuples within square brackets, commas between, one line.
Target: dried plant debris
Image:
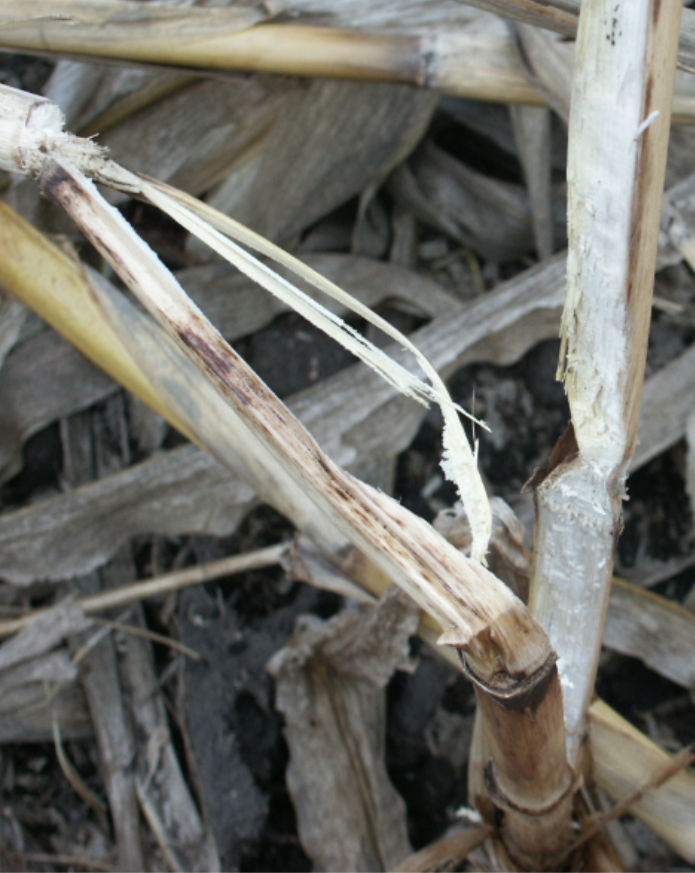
[(450, 200), (330, 688), (357, 137), (164, 796), (37, 677)]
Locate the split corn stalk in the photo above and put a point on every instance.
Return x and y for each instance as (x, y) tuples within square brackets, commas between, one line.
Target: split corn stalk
[(234, 415), (618, 136)]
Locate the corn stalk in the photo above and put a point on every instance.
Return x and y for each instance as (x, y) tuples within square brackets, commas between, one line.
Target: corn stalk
[(472, 56), (619, 127)]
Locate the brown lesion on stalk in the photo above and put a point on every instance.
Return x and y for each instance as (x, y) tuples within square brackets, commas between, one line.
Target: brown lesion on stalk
[(58, 185), (564, 452), (230, 372), (52, 178), (216, 363)]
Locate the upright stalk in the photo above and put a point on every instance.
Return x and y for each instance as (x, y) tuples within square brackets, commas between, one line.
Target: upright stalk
[(618, 136)]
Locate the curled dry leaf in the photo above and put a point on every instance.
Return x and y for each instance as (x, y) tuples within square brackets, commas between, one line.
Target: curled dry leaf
[(330, 687)]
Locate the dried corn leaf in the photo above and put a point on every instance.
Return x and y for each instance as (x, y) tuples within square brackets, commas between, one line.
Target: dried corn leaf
[(657, 631), (623, 759), (678, 221), (37, 685), (177, 491), (77, 86), (491, 216), (46, 632), (233, 118), (54, 667), (532, 129), (416, 16), (44, 378), (12, 315), (549, 61), (330, 688), (669, 397), (28, 712), (329, 141), (96, 97)]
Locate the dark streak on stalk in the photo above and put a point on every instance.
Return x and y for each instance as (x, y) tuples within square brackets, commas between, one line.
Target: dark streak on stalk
[(213, 361), (343, 493), (53, 177), (466, 604), (370, 522), (656, 11), (58, 185), (648, 91), (644, 167), (229, 370)]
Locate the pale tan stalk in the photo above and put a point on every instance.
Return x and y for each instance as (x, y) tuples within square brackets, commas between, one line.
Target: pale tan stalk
[(619, 128), (476, 59), (623, 759)]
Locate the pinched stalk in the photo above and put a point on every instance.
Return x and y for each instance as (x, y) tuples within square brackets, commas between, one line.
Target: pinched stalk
[(618, 136)]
